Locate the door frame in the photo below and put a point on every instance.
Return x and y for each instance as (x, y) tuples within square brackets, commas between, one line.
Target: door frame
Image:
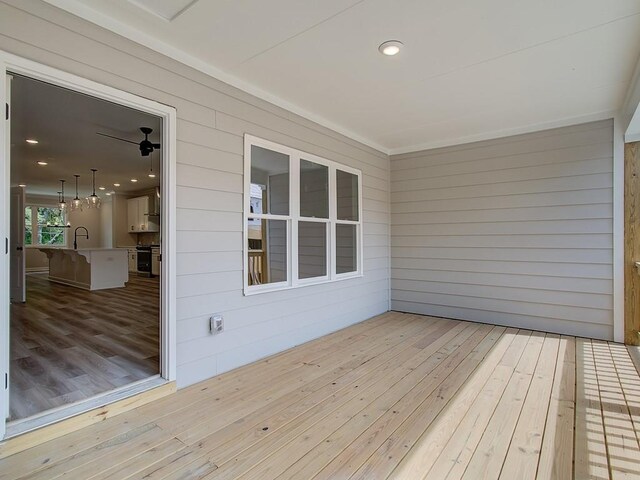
[(29, 68)]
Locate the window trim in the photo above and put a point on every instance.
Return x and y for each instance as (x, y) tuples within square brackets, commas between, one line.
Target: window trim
[(294, 217), (35, 226)]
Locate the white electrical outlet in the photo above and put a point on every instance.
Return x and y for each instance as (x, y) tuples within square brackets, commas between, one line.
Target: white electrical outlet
[(216, 324)]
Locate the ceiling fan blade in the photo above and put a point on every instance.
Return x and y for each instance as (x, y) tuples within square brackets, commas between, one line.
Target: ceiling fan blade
[(155, 145), (117, 138)]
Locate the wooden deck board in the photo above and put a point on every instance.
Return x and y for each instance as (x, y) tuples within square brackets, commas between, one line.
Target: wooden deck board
[(556, 455), (524, 451), (488, 458), (438, 437), (590, 446), (622, 442), (396, 397)]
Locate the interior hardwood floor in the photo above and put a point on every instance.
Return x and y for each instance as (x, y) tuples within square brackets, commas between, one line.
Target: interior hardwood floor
[(398, 396), (69, 344)]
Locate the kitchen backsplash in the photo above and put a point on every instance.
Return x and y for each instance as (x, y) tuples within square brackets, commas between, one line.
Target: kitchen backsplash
[(148, 238)]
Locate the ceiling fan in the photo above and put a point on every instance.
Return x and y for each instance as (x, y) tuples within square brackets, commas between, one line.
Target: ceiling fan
[(146, 146)]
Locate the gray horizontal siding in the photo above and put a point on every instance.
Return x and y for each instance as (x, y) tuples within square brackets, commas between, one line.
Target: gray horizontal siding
[(515, 231), (212, 119)]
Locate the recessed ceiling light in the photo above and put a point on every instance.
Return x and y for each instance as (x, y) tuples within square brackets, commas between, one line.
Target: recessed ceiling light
[(152, 175), (116, 184), (32, 141), (42, 163), (102, 188), (22, 185), (108, 194), (390, 47), (134, 180)]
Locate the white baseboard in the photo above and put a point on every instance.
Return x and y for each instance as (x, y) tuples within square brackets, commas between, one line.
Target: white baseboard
[(37, 270)]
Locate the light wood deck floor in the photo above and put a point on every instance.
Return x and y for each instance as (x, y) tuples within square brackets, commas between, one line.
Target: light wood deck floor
[(397, 396)]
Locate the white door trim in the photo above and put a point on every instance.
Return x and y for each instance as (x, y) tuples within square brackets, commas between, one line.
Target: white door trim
[(16, 64)]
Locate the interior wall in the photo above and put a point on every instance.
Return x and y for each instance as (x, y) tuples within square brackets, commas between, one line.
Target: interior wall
[(515, 231), (212, 119), (91, 219), (106, 222)]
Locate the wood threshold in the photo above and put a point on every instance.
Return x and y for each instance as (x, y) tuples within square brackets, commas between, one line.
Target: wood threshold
[(32, 435), (398, 396)]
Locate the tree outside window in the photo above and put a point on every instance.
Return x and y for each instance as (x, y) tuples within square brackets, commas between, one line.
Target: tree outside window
[(43, 226)]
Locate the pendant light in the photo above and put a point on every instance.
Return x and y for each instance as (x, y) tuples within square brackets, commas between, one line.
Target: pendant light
[(61, 203), (76, 203), (93, 200)]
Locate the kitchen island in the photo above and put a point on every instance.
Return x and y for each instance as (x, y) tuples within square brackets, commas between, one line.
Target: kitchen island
[(88, 268)]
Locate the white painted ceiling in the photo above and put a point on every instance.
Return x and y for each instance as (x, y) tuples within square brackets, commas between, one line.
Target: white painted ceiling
[(470, 69), (65, 124)]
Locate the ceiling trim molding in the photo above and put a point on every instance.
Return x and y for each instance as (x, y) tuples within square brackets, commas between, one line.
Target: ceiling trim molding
[(77, 8), (493, 135)]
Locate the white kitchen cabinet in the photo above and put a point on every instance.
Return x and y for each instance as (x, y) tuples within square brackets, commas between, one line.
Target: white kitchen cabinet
[(132, 256), (155, 261), (138, 218)]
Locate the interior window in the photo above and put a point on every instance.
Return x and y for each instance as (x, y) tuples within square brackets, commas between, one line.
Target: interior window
[(44, 226)]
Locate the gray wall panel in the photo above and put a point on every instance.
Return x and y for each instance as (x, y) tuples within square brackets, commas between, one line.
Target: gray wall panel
[(514, 231)]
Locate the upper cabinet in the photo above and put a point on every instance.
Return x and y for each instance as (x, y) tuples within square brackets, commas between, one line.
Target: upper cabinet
[(138, 216)]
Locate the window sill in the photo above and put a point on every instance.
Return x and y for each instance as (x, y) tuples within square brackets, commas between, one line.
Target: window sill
[(249, 291)]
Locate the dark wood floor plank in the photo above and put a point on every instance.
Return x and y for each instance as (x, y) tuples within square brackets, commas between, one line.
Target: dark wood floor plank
[(69, 344)]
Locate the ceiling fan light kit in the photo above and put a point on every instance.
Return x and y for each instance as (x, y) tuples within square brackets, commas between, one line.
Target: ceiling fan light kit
[(151, 174)]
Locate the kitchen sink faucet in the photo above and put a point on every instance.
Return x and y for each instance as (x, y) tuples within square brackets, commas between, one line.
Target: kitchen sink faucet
[(75, 236)]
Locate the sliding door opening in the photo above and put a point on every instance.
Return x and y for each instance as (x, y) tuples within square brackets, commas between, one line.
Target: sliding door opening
[(88, 224)]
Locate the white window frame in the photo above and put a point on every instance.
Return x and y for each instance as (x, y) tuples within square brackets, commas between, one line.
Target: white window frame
[(34, 226), (294, 217)]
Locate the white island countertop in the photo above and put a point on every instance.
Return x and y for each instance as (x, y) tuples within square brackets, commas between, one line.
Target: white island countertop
[(88, 268)]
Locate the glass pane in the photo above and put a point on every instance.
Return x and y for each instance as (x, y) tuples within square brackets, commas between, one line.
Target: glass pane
[(267, 251), (347, 190), (256, 199), (28, 234), (50, 216), (270, 172), (346, 248), (48, 235), (312, 249), (314, 190)]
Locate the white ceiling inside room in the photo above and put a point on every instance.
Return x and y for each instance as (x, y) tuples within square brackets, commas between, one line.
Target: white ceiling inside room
[(469, 69), (65, 124)]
